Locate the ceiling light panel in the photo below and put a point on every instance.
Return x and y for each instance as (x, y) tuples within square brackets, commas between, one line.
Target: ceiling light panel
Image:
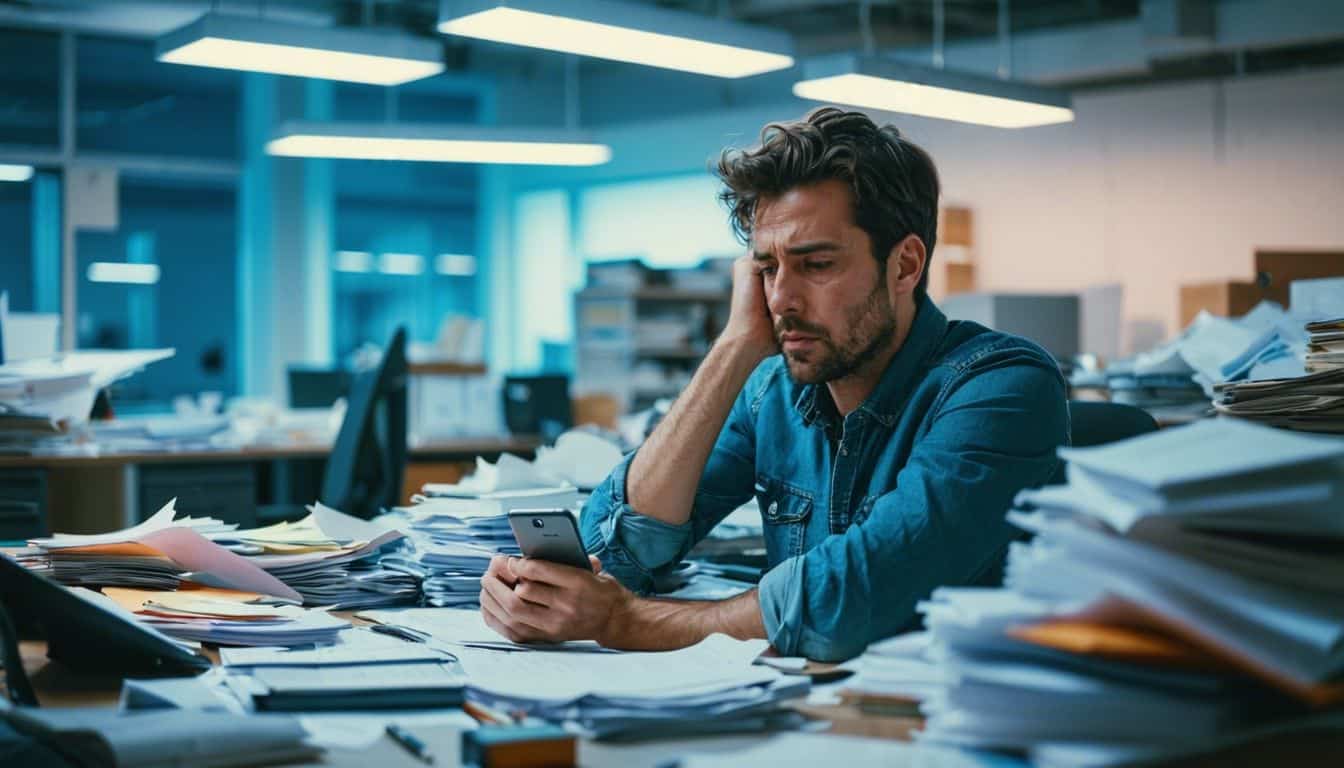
[(430, 143), (893, 86), (280, 48), (640, 34)]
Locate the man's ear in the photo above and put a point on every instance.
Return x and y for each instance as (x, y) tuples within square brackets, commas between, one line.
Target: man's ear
[(905, 265)]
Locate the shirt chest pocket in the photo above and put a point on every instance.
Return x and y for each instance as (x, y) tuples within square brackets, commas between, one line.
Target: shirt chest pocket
[(785, 510)]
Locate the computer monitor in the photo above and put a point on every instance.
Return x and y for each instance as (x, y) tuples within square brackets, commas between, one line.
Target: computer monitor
[(317, 387), (537, 405), (364, 473)]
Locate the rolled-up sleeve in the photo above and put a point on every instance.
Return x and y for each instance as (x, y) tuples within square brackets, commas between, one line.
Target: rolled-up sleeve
[(944, 524), (634, 547)]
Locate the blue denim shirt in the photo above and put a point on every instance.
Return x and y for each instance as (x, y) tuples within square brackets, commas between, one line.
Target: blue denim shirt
[(864, 515)]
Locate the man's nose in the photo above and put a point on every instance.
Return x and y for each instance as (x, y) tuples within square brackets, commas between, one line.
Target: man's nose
[(782, 295)]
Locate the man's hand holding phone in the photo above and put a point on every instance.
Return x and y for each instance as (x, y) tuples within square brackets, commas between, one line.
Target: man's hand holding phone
[(555, 593)]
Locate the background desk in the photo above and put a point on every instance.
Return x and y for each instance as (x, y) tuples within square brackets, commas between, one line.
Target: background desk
[(107, 491)]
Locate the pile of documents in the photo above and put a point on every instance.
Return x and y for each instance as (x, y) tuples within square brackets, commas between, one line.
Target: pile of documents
[(711, 687), (454, 537), (1182, 591), (228, 617), (329, 558), (1325, 345), (1312, 402), (42, 400), (158, 553), (893, 677), (1181, 375)]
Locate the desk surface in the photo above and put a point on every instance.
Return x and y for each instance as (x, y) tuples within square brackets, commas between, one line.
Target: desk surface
[(455, 447), (57, 686)]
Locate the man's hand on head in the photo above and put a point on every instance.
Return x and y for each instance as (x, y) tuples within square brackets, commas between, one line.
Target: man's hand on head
[(749, 324), (530, 601)]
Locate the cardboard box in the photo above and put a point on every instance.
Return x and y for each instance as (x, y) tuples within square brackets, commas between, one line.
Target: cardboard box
[(1277, 269), (1227, 298), (954, 227)]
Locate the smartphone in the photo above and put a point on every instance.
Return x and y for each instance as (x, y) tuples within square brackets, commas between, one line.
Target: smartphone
[(549, 534)]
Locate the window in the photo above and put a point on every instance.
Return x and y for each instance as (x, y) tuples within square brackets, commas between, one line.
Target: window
[(399, 263), (541, 311), (667, 222)]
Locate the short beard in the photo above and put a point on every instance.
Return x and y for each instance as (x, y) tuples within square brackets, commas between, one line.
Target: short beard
[(872, 326)]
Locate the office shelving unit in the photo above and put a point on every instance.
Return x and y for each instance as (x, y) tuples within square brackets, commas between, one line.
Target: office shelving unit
[(642, 343)]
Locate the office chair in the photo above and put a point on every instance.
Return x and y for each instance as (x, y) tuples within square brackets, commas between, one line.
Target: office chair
[(1097, 423), (364, 472)]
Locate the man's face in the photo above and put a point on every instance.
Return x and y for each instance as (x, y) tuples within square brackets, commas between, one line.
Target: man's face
[(827, 296)]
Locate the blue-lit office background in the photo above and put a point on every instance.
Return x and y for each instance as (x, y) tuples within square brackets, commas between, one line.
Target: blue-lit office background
[(184, 217)]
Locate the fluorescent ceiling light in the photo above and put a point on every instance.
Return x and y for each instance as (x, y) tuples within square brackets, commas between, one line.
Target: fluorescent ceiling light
[(123, 272), (279, 48), (431, 143), (641, 34), (354, 261), (401, 264), (15, 172), (455, 264), (898, 87)]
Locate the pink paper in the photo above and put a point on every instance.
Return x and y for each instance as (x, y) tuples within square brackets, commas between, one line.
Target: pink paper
[(194, 552)]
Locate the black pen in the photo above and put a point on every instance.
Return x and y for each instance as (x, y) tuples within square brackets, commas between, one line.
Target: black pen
[(410, 743)]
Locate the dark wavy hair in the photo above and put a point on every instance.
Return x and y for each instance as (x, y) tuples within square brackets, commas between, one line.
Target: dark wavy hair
[(894, 182)]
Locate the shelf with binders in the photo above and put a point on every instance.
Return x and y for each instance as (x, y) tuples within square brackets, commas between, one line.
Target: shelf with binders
[(642, 342)]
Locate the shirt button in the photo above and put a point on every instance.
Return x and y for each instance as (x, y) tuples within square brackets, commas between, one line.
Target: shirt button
[(843, 450), (773, 510)]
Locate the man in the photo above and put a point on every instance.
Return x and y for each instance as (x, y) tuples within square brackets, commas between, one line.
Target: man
[(883, 442)]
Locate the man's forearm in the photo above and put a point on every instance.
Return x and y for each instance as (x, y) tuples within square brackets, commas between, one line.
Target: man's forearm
[(651, 624), (663, 477)]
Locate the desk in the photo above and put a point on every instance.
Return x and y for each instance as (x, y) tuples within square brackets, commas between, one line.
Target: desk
[(103, 491), (58, 687)]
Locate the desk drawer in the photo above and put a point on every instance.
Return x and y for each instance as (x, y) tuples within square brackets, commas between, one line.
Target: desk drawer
[(224, 491), (23, 504)]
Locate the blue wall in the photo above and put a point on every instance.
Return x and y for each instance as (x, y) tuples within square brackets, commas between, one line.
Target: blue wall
[(194, 307)]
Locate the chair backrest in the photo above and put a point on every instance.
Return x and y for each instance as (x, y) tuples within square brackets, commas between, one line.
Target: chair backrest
[(366, 466), (1097, 423)]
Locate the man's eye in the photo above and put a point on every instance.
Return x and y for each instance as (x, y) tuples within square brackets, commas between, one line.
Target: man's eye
[(817, 266), (767, 271)]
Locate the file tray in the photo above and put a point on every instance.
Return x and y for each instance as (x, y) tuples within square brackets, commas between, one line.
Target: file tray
[(88, 637)]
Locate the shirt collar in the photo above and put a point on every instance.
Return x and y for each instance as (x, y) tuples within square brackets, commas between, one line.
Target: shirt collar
[(884, 403)]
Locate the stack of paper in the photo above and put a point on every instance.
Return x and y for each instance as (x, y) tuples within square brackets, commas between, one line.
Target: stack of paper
[(1181, 374), (397, 685), (1311, 401), (579, 458), (1170, 601), (510, 473), (454, 538), (329, 558), (893, 676), (42, 397), (712, 687), (156, 553), (227, 617), (1325, 347)]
